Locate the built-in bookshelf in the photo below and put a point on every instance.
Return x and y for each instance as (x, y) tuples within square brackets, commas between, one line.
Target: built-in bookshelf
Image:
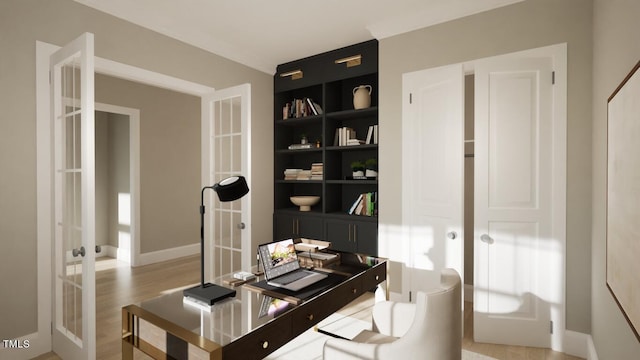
[(318, 135)]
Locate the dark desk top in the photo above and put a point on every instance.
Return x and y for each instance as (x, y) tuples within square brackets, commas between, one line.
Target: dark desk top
[(258, 306)]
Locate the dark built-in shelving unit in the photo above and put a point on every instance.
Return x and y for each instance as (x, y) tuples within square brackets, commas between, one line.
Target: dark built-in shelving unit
[(329, 83)]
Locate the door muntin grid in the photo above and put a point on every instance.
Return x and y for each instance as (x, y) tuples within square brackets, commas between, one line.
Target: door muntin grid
[(227, 161), (68, 199)]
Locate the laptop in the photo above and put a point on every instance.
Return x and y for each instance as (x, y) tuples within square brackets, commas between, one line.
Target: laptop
[(282, 268)]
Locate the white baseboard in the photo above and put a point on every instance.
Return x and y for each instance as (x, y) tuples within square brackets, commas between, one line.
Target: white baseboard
[(591, 349), (575, 343), (108, 250), (580, 345), (32, 345), (168, 254)]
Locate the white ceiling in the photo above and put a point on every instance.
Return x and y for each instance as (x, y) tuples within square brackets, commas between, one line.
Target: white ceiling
[(262, 34)]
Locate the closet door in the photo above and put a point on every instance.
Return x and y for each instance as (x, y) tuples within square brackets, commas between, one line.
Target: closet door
[(515, 253), (433, 172)]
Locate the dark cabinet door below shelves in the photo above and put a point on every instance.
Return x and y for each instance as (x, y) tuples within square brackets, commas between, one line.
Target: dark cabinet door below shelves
[(352, 235), (297, 226)]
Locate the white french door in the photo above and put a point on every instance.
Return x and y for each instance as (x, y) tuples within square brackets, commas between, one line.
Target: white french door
[(433, 172), (226, 140), (73, 148), (516, 256)]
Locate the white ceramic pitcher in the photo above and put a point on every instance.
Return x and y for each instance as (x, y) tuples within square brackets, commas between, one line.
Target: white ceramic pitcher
[(362, 97)]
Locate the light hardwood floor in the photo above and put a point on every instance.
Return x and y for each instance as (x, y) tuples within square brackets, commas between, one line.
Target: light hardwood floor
[(118, 285)]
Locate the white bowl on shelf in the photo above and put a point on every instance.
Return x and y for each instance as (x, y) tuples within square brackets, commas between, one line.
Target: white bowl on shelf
[(305, 202)]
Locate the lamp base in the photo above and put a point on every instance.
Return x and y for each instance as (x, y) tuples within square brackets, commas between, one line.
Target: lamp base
[(209, 293)]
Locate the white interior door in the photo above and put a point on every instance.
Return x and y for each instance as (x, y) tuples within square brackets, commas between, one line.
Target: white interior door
[(226, 152), (515, 253), (433, 172), (72, 81)]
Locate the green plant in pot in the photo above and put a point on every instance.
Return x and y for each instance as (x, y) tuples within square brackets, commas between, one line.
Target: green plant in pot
[(371, 167), (357, 168)]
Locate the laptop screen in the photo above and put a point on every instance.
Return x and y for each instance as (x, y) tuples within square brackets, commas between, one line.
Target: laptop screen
[(278, 258), (272, 306)]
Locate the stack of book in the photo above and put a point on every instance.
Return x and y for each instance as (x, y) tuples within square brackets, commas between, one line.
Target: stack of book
[(304, 175), (366, 204), (317, 169), (291, 174)]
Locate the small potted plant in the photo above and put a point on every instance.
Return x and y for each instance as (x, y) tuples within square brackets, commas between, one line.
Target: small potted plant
[(371, 168), (357, 168)]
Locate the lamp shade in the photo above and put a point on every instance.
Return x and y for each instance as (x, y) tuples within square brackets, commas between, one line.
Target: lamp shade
[(231, 188)]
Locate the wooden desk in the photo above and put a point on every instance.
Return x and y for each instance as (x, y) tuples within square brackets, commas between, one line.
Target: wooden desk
[(241, 327)]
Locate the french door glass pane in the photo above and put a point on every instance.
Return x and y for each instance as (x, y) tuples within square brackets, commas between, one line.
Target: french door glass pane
[(227, 161), (69, 201)]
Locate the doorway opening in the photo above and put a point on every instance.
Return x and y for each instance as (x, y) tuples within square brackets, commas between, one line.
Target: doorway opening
[(43, 337), (117, 182)]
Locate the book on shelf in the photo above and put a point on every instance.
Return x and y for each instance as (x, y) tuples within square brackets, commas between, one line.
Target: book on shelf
[(317, 167), (375, 134), (298, 108), (315, 173), (355, 204), (352, 142), (343, 135), (317, 170), (365, 204), (300, 146), (291, 174), (314, 107), (372, 135), (304, 175)]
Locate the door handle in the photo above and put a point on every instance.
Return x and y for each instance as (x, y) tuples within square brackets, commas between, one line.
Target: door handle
[(452, 235), (98, 249), (486, 239), (241, 226), (76, 252)]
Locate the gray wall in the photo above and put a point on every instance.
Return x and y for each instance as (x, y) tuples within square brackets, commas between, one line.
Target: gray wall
[(22, 22), (102, 177), (525, 25), (112, 174), (616, 50), (119, 172), (169, 160)]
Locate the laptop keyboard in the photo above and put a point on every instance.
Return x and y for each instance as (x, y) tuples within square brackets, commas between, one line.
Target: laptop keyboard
[(289, 278)]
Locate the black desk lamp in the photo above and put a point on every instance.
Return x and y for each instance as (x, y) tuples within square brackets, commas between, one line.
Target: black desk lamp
[(229, 189)]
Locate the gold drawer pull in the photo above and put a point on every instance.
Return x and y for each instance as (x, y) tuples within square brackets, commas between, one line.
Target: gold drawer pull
[(354, 60), (377, 277), (354, 290), (265, 344), (310, 317), (295, 74)]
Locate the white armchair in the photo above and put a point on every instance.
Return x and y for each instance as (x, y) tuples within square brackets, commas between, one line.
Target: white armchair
[(429, 329)]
